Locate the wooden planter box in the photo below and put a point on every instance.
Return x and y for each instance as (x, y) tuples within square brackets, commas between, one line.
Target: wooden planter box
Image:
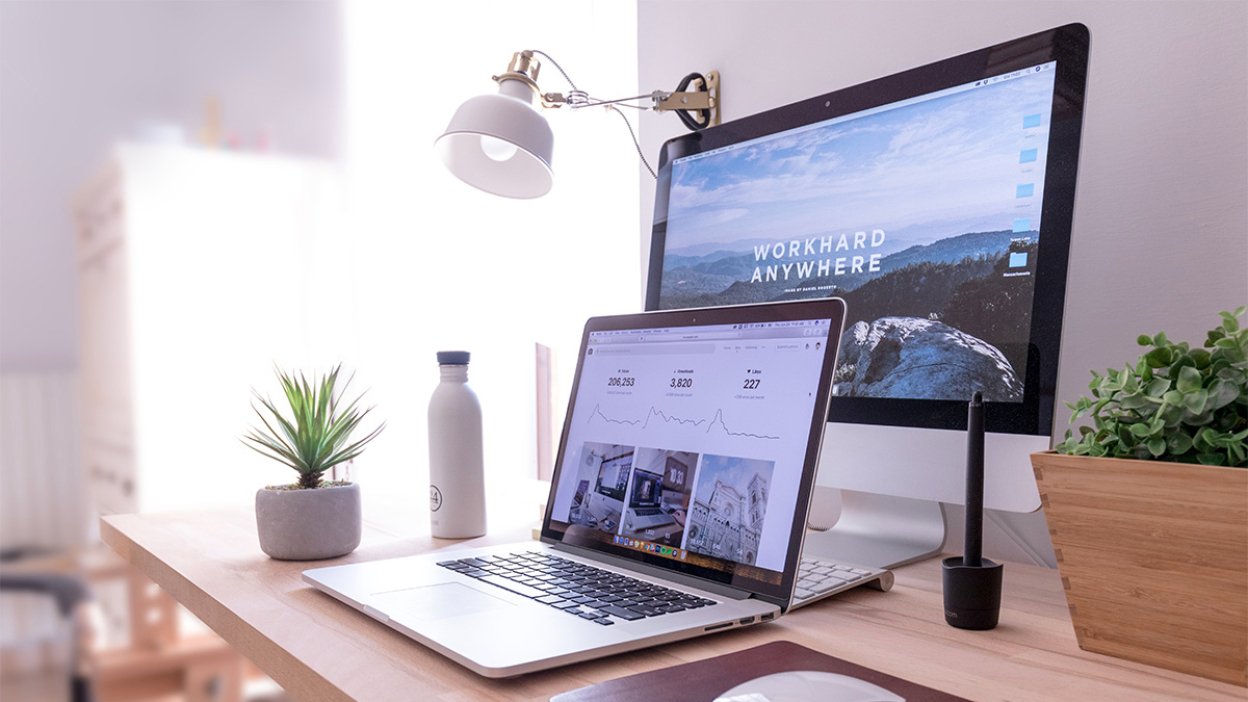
[(1153, 558)]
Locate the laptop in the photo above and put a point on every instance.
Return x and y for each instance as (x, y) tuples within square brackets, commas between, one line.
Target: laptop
[(677, 506)]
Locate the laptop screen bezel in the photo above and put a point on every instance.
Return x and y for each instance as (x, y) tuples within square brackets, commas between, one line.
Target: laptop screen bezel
[(832, 309)]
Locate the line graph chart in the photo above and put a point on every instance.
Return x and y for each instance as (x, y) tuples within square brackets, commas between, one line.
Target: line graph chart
[(655, 413)]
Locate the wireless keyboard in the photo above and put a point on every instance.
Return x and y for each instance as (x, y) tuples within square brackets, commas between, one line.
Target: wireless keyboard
[(817, 579)]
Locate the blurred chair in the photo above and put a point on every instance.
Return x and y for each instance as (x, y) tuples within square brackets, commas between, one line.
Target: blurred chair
[(156, 661), (71, 595)]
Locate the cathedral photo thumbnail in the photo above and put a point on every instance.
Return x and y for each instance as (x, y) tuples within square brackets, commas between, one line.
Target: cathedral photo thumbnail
[(729, 507)]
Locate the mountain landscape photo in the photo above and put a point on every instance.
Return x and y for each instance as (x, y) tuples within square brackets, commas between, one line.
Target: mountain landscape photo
[(923, 216)]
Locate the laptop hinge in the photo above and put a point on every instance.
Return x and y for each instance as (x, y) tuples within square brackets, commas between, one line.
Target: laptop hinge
[(700, 583)]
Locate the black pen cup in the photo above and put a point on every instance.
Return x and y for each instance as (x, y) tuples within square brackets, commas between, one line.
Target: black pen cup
[(972, 593)]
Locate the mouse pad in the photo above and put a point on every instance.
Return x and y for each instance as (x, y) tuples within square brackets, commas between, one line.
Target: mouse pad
[(703, 681)]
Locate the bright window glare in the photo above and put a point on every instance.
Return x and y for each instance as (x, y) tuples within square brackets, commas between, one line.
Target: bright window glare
[(440, 265)]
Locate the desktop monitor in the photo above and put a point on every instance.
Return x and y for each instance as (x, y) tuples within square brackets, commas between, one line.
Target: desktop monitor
[(646, 490), (937, 202)]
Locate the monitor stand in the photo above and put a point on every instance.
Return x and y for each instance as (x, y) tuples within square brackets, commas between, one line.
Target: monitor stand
[(880, 531)]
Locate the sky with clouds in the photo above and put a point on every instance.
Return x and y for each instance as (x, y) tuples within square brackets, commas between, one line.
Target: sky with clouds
[(928, 170)]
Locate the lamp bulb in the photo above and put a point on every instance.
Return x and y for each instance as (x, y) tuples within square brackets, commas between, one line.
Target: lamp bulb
[(497, 149)]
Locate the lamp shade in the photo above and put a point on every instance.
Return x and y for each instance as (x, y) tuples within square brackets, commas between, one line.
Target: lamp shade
[(500, 144)]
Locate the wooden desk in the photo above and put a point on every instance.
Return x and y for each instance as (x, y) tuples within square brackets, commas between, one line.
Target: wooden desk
[(320, 650)]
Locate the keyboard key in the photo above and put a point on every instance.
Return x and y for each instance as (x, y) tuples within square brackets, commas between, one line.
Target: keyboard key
[(551, 600), (517, 588), (605, 621), (622, 613)]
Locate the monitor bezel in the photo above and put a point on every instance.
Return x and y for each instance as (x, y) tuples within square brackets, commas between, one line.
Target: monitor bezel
[(1068, 47)]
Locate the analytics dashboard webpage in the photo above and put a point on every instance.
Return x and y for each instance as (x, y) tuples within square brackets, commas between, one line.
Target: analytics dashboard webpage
[(688, 443)]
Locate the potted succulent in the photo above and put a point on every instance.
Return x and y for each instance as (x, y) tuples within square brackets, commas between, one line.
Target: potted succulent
[(1148, 507), (312, 518)]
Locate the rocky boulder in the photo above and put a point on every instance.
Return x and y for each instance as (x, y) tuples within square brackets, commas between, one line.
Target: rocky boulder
[(922, 358)]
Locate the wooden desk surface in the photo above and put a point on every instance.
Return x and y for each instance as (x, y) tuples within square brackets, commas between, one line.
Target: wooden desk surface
[(318, 649)]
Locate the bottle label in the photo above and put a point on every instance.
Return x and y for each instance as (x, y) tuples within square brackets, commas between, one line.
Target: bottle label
[(435, 498)]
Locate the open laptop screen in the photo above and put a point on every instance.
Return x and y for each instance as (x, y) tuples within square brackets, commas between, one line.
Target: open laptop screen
[(692, 437)]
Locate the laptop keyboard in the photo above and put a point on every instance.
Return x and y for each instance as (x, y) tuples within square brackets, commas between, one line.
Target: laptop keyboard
[(819, 577), (594, 594)]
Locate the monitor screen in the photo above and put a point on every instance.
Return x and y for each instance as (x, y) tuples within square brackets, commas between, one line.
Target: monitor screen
[(935, 202)]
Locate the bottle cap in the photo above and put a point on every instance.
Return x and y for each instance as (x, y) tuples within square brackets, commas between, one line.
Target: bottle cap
[(453, 358)]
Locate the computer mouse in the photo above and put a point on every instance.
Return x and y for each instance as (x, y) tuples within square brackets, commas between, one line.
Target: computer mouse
[(807, 685)]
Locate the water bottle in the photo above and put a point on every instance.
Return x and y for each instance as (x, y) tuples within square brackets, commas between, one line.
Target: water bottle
[(456, 465)]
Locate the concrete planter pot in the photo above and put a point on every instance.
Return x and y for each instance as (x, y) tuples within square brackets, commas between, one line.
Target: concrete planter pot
[(309, 525)]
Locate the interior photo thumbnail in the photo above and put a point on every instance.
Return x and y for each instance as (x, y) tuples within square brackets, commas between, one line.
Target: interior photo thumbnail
[(601, 486), (658, 502)]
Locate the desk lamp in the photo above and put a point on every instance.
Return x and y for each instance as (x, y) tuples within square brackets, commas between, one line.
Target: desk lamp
[(502, 145)]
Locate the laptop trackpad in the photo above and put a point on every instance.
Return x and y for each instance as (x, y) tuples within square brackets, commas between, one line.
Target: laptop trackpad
[(436, 602)]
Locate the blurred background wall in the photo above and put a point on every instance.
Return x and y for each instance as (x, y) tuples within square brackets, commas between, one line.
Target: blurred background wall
[(77, 76)]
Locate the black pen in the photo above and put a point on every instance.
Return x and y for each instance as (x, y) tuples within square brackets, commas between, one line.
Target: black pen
[(972, 554)]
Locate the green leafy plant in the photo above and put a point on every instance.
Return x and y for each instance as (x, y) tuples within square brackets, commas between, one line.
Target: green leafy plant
[(1176, 403), (317, 437)]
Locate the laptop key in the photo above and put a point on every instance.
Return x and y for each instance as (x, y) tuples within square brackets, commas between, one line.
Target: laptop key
[(622, 613), (517, 588), (551, 600)]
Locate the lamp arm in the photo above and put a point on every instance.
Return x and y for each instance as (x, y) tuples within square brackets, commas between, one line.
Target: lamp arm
[(579, 98), (704, 102), (660, 100)]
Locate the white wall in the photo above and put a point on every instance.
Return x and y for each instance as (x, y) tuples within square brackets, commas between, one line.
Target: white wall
[(77, 76), (1160, 235)]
